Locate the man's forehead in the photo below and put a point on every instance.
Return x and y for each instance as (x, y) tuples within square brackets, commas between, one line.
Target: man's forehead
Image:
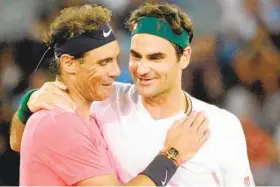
[(149, 41)]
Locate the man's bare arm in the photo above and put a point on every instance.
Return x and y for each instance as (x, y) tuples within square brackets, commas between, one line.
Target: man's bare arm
[(51, 95), (110, 180), (16, 132)]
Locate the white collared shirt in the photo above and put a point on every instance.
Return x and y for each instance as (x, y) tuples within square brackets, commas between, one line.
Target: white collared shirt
[(135, 138)]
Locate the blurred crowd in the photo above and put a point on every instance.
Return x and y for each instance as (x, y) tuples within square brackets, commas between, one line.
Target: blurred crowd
[(235, 65)]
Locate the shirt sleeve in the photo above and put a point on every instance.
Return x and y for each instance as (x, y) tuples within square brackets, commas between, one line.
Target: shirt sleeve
[(66, 144), (235, 164)]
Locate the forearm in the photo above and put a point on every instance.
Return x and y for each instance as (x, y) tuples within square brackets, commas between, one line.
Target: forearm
[(157, 173), (140, 180), (16, 132), (111, 180), (18, 122)]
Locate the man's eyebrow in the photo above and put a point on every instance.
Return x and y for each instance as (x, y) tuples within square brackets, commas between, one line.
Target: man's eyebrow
[(135, 53), (157, 55), (105, 59)]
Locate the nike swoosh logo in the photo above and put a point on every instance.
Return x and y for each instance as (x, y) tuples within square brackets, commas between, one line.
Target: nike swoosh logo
[(163, 182), (106, 34)]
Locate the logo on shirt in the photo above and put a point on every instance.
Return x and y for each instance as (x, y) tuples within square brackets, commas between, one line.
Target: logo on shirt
[(247, 181), (163, 182)]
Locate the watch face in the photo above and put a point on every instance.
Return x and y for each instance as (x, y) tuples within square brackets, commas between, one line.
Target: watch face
[(173, 152)]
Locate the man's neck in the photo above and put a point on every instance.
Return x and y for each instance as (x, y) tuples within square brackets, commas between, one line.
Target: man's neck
[(166, 105), (82, 105)]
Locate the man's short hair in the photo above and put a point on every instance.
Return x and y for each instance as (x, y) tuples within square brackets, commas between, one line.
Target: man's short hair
[(170, 13)]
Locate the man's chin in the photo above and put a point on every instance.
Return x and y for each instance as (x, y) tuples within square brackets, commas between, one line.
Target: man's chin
[(106, 95), (145, 91), (103, 96)]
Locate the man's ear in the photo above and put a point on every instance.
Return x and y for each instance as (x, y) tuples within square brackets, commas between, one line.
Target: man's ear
[(185, 58), (68, 64)]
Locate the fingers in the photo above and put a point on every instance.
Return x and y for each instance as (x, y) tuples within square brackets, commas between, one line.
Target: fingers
[(51, 106), (46, 106), (203, 127), (62, 101), (190, 119), (194, 119), (63, 95), (43, 106), (51, 95), (178, 122), (204, 137), (60, 85), (65, 101), (64, 107), (198, 120), (186, 121), (56, 91), (55, 85), (173, 132)]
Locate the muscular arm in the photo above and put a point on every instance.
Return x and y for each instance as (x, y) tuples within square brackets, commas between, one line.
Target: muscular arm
[(16, 132)]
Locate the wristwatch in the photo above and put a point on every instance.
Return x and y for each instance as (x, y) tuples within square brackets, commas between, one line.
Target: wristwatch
[(172, 154)]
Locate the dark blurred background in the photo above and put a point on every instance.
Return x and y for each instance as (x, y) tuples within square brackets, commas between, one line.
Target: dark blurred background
[(235, 65)]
